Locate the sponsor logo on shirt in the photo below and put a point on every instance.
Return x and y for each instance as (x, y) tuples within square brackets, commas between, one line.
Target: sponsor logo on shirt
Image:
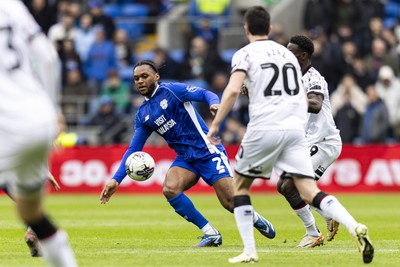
[(191, 88)]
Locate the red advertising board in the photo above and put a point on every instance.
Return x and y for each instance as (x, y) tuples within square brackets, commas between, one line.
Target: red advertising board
[(358, 169)]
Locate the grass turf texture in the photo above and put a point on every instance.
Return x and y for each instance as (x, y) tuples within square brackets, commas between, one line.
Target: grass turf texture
[(143, 230)]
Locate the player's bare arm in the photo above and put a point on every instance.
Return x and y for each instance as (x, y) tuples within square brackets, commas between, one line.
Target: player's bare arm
[(109, 189), (229, 97), (315, 102)]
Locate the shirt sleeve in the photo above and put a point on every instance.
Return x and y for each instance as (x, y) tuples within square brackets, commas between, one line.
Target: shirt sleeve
[(316, 84), (240, 61), (187, 93), (137, 143)]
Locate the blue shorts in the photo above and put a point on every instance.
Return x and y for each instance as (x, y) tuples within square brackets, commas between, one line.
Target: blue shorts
[(211, 168)]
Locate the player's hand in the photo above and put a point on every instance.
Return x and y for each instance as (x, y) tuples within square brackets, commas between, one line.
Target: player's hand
[(244, 90), (53, 181), (214, 108), (108, 190), (213, 131)]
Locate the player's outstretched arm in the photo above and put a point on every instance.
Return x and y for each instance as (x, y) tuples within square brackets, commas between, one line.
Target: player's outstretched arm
[(109, 189)]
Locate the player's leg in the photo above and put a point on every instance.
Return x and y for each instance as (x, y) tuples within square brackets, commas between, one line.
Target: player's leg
[(224, 190), (243, 212), (177, 181), (30, 237), (28, 194), (313, 236), (330, 205), (303, 177), (323, 155)]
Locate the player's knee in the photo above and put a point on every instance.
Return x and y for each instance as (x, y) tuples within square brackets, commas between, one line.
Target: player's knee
[(286, 187), (170, 192), (228, 204)]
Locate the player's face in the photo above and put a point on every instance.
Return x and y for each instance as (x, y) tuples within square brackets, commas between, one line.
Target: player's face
[(294, 48), (145, 79)]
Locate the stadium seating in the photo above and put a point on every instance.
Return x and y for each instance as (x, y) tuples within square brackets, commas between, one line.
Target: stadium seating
[(112, 10), (134, 30), (227, 55), (391, 13), (134, 10), (177, 55)]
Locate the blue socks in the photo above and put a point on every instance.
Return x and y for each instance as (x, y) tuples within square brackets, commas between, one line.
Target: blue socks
[(184, 207)]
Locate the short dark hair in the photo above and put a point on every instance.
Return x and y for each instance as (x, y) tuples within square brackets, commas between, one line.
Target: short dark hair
[(304, 43), (257, 19), (146, 62)]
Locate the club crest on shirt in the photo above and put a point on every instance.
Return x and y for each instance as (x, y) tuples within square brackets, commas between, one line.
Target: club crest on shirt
[(164, 104)]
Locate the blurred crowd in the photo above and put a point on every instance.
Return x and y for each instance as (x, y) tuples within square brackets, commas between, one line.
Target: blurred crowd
[(357, 50)]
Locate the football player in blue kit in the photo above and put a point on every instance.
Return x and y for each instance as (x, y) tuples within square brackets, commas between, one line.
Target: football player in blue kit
[(168, 111)]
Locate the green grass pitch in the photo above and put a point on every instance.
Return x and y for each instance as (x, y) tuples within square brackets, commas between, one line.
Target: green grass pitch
[(143, 230)]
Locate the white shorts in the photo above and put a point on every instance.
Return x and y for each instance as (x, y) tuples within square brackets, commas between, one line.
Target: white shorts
[(284, 150), (323, 154), (27, 130)]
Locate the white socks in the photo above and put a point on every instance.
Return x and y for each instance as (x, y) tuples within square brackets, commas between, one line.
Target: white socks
[(209, 230), (244, 222), (308, 220), (57, 251), (332, 207)]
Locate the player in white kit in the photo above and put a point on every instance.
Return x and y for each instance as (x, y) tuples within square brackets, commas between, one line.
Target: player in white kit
[(28, 124), (323, 141), (275, 136)]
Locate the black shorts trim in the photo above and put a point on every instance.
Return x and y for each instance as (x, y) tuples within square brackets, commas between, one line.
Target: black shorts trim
[(252, 177)]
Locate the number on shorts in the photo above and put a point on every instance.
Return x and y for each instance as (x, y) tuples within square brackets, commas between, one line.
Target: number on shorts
[(220, 167)]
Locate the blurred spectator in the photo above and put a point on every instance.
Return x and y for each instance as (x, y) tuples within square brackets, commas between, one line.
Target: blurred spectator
[(360, 73), (112, 129), (64, 29), (344, 64), (101, 59), (200, 62), (357, 97), (347, 120), (70, 59), (207, 32), (217, 11), (388, 88), (375, 123), (380, 57), (101, 19), (168, 68), (233, 131), (75, 9), (278, 35), (375, 29), (117, 91), (75, 97), (85, 36), (318, 13), (155, 7), (347, 13), (44, 13), (123, 48)]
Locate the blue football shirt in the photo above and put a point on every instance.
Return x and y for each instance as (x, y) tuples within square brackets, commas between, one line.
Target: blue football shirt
[(170, 113)]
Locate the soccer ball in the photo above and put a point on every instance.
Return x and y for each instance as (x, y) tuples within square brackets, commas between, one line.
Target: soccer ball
[(139, 166)]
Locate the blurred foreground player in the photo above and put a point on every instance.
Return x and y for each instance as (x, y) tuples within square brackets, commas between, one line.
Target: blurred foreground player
[(168, 111), (28, 123), (31, 238)]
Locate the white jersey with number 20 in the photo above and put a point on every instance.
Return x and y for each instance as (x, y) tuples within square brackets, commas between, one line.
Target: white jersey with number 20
[(276, 94)]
